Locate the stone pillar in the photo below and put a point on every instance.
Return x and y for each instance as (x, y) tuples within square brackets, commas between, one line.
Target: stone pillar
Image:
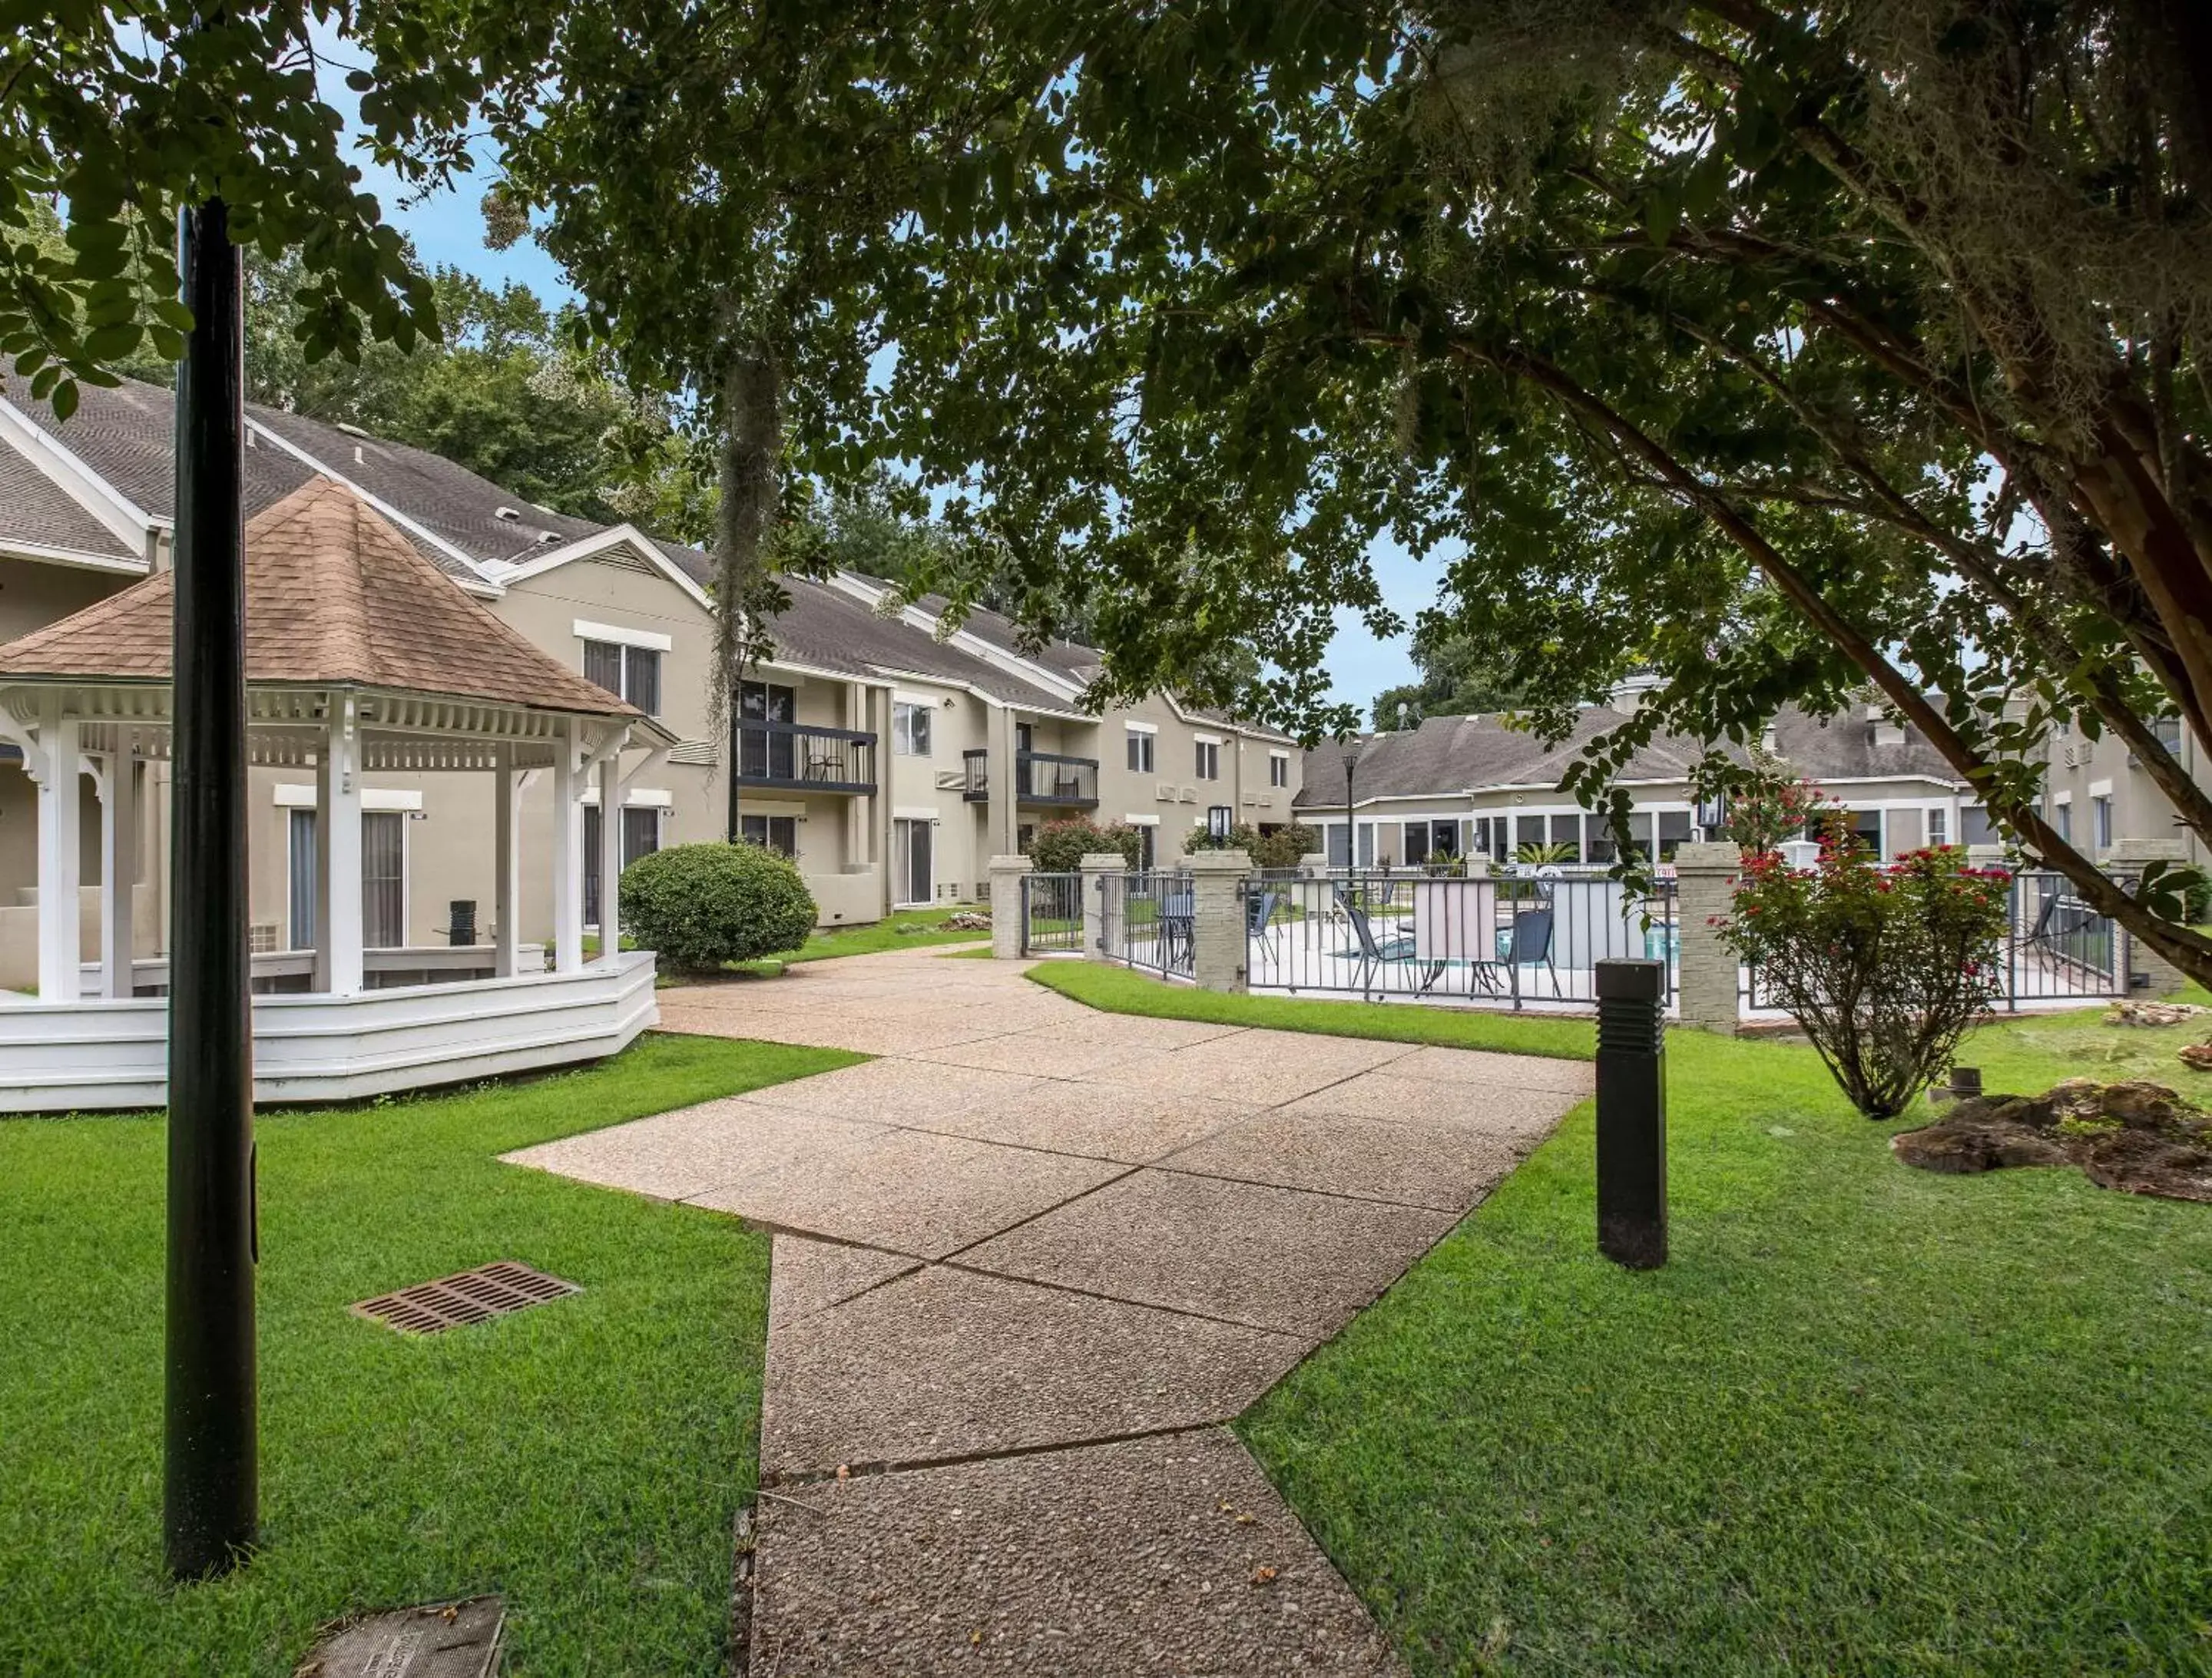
[(1314, 864), (1221, 942), (2128, 859), (1007, 874), (1104, 906), (1704, 878)]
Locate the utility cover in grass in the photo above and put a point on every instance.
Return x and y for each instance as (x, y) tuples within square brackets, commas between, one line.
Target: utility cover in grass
[(442, 1640), (2139, 1138)]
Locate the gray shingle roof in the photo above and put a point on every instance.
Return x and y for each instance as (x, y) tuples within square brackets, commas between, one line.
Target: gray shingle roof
[(33, 508), (1446, 756)]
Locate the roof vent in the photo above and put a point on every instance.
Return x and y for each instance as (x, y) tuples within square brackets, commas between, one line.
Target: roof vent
[(546, 538), (350, 429), (508, 514)]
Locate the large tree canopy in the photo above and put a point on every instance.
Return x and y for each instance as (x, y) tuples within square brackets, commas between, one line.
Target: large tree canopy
[(1777, 350), (127, 112)]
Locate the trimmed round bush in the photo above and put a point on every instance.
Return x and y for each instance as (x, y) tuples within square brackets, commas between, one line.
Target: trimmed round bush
[(698, 906)]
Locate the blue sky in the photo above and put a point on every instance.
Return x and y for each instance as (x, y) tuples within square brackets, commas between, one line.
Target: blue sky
[(448, 228)]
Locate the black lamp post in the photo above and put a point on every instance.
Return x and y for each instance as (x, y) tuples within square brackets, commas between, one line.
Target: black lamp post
[(210, 1495), (1352, 750)]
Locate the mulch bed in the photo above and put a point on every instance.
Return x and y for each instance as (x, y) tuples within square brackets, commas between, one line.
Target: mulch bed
[(2140, 1139)]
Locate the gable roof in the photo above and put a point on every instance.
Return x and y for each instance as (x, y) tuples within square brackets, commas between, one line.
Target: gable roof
[(335, 597), (1446, 756), (38, 513)]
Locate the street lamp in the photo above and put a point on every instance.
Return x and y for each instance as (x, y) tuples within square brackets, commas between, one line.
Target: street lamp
[(1353, 751)]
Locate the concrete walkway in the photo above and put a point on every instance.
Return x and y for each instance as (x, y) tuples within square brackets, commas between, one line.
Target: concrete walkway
[(1026, 1265)]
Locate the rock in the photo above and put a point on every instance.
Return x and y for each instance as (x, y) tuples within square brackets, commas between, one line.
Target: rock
[(2196, 1056), (2152, 1013), (2137, 1137)]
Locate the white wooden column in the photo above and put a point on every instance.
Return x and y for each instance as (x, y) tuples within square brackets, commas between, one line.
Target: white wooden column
[(611, 827), (506, 898), (118, 869), (339, 966), (60, 951), (567, 853)]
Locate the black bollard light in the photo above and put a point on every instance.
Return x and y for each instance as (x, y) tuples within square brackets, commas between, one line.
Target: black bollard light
[(210, 1498), (1632, 1113)]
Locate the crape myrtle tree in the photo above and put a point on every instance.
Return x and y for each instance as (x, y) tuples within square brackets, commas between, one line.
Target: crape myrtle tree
[(1777, 350)]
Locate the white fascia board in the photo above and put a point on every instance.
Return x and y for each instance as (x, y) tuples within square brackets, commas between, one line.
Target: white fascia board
[(509, 571), (1242, 730), (893, 675), (413, 526), (616, 635), (71, 558), (123, 518)]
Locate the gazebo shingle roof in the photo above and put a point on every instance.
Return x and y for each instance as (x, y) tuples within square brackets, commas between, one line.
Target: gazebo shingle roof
[(335, 596)]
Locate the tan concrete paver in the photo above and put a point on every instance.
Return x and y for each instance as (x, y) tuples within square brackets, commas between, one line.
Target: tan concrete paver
[(1502, 1110), (1101, 1562), (1413, 1161), (944, 1363), (807, 1276), (910, 1191), (673, 1155), (1027, 1259), (1276, 1258)]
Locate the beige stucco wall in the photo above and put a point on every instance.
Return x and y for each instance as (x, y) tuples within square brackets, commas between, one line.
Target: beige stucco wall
[(34, 595), (2079, 769)]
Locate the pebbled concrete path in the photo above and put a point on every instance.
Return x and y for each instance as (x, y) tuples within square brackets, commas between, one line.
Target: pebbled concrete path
[(1026, 1265)]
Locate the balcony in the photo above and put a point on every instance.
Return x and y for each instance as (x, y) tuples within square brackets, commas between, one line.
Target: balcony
[(1053, 782), (800, 758), (976, 775)]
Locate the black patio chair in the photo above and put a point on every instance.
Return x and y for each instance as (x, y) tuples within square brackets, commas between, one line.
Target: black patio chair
[(1397, 952), (1528, 945)]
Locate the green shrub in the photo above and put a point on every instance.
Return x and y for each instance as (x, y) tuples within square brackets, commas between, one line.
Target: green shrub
[(1061, 847), (1282, 848), (699, 906)]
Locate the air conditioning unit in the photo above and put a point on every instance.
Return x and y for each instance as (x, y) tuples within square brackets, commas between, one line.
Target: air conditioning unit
[(951, 780), (1166, 789), (1249, 797), (1189, 795), (261, 938)]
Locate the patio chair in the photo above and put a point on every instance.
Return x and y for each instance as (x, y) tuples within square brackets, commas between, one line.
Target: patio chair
[(1527, 943), (1397, 952), (1260, 908), (1178, 927)]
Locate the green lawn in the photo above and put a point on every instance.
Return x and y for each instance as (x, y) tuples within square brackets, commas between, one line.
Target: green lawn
[(905, 929), (1869, 1420), (586, 1457), (1118, 990)]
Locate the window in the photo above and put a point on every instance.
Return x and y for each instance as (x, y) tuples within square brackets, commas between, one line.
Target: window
[(909, 731), (1867, 824), (777, 833), (1567, 837), (303, 881), (1141, 748), (1939, 827), (1025, 737), (766, 753), (1673, 832), (1279, 769), (630, 672), (2062, 817), (1417, 843), (1336, 839), (1209, 760), (1148, 848), (2169, 730), (1527, 830), (913, 869), (383, 879), (2100, 812), (641, 836)]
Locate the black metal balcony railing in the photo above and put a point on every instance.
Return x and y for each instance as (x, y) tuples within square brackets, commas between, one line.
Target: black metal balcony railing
[(800, 758), (1049, 778)]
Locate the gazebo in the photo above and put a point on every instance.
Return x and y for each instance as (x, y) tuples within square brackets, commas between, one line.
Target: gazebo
[(361, 656)]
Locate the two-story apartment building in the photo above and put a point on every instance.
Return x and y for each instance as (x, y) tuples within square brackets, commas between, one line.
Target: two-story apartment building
[(890, 759)]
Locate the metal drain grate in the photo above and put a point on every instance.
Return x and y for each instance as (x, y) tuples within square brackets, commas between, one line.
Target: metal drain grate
[(472, 1296)]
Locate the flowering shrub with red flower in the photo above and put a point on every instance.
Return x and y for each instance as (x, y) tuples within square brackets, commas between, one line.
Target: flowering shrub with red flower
[(1883, 967), (1762, 815)]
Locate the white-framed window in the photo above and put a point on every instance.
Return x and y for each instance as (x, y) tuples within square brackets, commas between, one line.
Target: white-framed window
[(1939, 827), (2100, 812), (1209, 760), (779, 834), (1143, 744), (1279, 769), (2062, 816), (628, 672), (909, 729)]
